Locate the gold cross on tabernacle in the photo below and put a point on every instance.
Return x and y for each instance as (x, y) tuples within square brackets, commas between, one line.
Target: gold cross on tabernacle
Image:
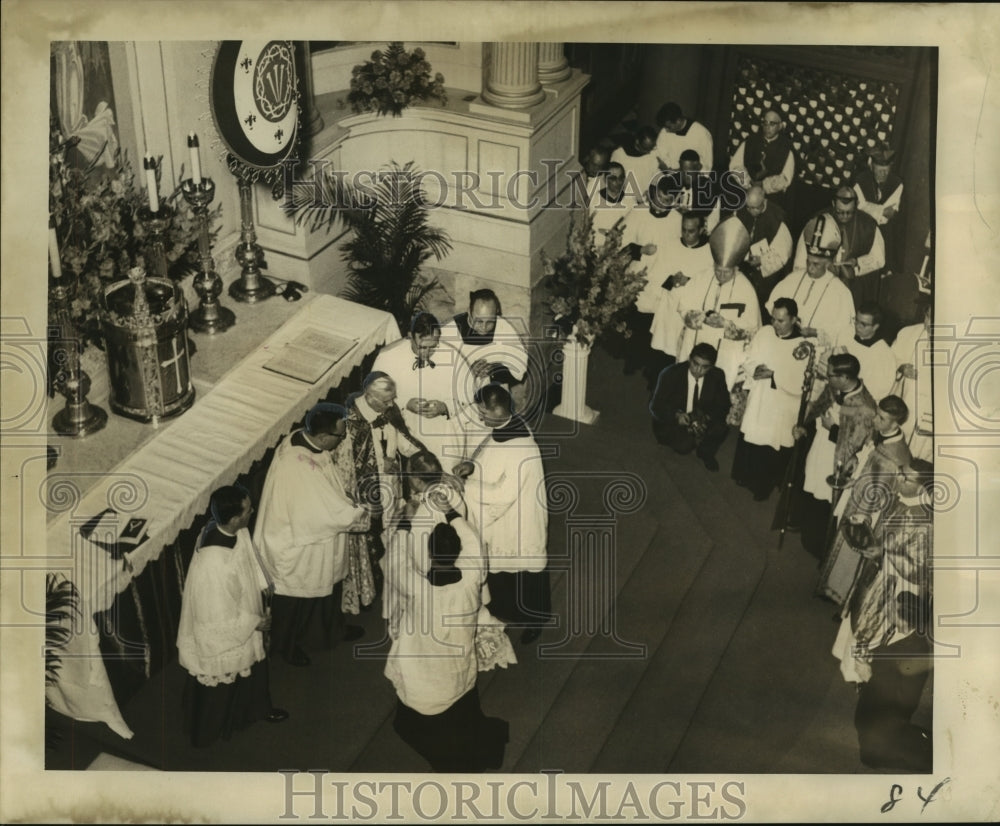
[(175, 361)]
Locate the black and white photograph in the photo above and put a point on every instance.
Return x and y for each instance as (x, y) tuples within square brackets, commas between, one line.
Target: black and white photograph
[(522, 411)]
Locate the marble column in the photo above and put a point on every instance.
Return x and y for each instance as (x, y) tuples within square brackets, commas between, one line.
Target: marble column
[(553, 67), (311, 117), (513, 76)]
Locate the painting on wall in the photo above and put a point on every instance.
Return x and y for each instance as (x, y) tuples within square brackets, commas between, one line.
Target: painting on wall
[(83, 99)]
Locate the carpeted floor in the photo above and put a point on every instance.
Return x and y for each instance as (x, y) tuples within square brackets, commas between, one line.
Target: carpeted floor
[(688, 642)]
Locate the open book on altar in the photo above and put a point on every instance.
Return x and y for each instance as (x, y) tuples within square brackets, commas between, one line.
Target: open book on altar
[(310, 354)]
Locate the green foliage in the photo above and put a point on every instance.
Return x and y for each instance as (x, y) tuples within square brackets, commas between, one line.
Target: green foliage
[(390, 240), (61, 604), (591, 286), (95, 211), (392, 80)]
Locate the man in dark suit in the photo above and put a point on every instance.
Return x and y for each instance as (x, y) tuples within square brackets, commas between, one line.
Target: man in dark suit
[(690, 404)]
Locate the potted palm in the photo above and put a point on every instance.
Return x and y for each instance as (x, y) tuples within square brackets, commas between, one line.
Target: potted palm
[(62, 605), (591, 287), (391, 238)]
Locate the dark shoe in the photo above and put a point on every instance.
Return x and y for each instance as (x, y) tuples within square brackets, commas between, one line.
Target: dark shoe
[(529, 635), (276, 715), (710, 462), (353, 632), (298, 657), (505, 620)]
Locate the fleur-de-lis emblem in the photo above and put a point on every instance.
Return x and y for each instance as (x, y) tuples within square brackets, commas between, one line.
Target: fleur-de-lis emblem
[(250, 120), (246, 63)]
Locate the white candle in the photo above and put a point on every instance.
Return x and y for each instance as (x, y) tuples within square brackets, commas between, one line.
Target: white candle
[(54, 263), (195, 159), (149, 164)]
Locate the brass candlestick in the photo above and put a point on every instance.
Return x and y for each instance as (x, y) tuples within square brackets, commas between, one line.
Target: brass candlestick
[(210, 317), (79, 417), (157, 223), (252, 286)]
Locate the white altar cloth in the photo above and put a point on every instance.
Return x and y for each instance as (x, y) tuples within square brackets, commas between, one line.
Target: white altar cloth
[(168, 480)]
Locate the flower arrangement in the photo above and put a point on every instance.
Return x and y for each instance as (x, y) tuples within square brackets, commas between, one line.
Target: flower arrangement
[(592, 285), (95, 214), (392, 80)]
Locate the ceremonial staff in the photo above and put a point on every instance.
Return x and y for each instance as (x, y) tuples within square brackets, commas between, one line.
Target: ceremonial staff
[(804, 350), (838, 481)]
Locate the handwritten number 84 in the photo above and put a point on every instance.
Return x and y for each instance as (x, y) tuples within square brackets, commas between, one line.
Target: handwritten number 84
[(896, 794)]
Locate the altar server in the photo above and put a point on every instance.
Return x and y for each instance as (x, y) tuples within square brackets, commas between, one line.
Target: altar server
[(505, 493), (220, 638)]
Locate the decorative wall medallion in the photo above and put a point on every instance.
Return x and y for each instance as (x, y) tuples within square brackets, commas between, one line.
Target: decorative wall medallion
[(255, 100)]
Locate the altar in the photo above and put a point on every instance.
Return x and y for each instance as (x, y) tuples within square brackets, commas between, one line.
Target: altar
[(165, 475)]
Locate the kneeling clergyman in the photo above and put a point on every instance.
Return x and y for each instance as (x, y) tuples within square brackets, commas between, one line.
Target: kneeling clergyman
[(433, 663)]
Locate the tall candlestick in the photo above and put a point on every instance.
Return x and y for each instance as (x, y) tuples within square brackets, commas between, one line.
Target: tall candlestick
[(149, 164), (210, 317), (79, 417), (54, 262), (195, 159)]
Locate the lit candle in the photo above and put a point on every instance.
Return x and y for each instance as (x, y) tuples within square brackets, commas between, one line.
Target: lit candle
[(195, 159), (54, 263), (149, 164)]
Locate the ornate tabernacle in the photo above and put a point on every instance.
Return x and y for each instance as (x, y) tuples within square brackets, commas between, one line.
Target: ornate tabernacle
[(145, 327)]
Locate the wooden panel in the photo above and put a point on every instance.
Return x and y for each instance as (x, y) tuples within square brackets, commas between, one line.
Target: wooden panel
[(615, 71)]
